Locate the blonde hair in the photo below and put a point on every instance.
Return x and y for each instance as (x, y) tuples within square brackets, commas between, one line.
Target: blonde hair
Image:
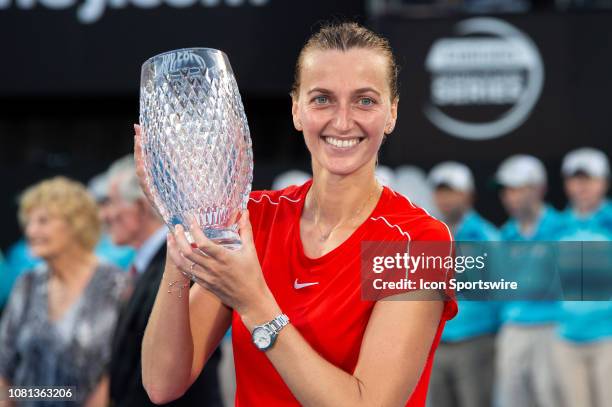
[(343, 37), (68, 199)]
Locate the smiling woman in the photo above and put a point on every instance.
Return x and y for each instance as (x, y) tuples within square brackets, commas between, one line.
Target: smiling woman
[(302, 334), (343, 125)]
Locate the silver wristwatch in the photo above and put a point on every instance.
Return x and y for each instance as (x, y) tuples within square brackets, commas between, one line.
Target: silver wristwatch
[(264, 336)]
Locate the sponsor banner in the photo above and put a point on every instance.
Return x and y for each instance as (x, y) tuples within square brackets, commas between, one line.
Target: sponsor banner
[(487, 62), (478, 89)]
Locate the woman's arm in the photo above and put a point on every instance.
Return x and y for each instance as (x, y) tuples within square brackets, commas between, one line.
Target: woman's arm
[(99, 397), (178, 320), (3, 385), (10, 324), (393, 353)]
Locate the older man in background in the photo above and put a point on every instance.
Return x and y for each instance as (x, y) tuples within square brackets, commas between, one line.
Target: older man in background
[(121, 256), (132, 221)]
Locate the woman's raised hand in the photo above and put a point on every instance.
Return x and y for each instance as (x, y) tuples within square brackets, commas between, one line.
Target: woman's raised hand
[(234, 276)]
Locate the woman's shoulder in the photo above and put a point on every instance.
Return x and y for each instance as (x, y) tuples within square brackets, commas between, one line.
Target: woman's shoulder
[(109, 270), (36, 276), (268, 202), (28, 286), (26, 281), (110, 278), (411, 220)]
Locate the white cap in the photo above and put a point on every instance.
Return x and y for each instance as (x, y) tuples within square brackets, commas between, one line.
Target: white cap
[(521, 170), (385, 175), (98, 186), (291, 177), (455, 175), (411, 182), (591, 161)]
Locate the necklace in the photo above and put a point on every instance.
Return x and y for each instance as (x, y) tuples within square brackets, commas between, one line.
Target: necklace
[(324, 236)]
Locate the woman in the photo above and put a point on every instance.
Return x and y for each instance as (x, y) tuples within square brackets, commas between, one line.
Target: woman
[(57, 326), (299, 263)]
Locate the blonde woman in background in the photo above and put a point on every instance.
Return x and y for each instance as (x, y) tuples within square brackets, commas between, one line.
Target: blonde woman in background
[(57, 325)]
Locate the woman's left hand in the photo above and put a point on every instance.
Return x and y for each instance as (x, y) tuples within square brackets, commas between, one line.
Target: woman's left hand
[(234, 276)]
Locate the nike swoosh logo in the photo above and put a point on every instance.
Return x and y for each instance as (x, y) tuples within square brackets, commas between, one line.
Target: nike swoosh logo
[(297, 285)]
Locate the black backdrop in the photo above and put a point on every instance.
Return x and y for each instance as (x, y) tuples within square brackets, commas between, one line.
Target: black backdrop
[(69, 91), (572, 111), (52, 52)]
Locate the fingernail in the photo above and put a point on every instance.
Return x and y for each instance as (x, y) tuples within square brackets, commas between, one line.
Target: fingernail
[(194, 245)]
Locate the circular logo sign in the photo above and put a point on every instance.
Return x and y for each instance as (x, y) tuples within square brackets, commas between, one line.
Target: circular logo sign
[(485, 81)]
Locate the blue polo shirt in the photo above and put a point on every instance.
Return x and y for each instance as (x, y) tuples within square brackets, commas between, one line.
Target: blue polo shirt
[(5, 282), (19, 259), (121, 256), (600, 219), (547, 229), (475, 318), (588, 321)]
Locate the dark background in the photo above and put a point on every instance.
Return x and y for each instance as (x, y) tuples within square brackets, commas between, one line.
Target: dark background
[(69, 91)]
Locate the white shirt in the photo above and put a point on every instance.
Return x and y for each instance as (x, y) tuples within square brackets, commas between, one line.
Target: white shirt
[(145, 253)]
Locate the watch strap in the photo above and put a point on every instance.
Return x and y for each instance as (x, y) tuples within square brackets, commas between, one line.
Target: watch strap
[(277, 324)]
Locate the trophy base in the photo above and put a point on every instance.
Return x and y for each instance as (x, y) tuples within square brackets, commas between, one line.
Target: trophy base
[(228, 238)]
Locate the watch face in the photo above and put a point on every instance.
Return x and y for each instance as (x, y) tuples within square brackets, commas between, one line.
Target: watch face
[(261, 338)]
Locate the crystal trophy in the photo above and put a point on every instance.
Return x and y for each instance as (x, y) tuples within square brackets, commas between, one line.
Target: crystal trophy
[(196, 144)]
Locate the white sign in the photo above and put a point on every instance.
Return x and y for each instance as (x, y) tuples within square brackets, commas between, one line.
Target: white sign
[(90, 11), (500, 66)]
